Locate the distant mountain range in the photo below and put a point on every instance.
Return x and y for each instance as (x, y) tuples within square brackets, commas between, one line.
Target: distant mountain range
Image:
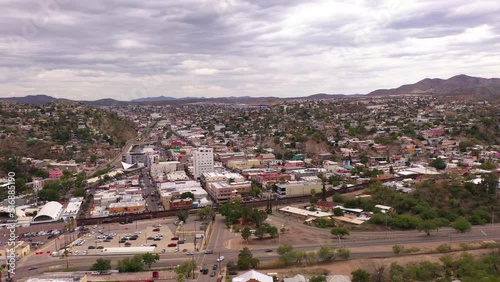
[(456, 85), (483, 88)]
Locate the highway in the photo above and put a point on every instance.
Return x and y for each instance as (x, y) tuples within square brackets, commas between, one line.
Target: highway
[(220, 238)]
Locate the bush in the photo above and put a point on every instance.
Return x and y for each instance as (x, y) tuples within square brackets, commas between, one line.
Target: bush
[(444, 248), (398, 249)]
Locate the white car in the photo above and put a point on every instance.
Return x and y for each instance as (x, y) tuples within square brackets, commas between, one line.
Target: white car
[(137, 232), (221, 258)]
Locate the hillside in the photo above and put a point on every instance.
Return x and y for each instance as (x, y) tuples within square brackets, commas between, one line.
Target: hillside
[(61, 130), (456, 85)]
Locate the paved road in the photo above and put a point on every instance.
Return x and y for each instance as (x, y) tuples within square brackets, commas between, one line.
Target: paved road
[(150, 193), (221, 236)]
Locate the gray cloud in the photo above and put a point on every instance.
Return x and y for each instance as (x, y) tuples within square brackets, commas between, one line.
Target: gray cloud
[(129, 49)]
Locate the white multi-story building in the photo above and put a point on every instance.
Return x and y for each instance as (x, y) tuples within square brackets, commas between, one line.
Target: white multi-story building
[(203, 160)]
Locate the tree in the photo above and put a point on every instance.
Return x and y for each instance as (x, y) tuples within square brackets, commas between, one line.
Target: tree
[(246, 233), (323, 187), (427, 226), (360, 275), (338, 198), (438, 164), (246, 260), (93, 159), (258, 217), (326, 253), (344, 253), (133, 264), (186, 195), (318, 278), (149, 259), (182, 216), (461, 224), (206, 213), (101, 265), (286, 254), (338, 212), (339, 231), (489, 184), (79, 192), (185, 269)]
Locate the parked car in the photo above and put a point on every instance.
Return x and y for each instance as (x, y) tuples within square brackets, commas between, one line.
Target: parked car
[(172, 245), (156, 230)]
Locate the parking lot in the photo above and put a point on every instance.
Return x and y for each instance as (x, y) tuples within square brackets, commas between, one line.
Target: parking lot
[(159, 233)]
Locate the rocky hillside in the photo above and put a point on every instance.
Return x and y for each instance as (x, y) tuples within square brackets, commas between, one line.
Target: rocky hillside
[(456, 85)]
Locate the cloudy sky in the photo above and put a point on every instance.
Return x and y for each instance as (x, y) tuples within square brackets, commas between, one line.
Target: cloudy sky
[(127, 49)]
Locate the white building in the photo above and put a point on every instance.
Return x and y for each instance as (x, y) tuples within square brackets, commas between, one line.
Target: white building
[(163, 168), (203, 160), (253, 276)]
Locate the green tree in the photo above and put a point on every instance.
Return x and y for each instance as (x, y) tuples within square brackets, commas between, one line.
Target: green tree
[(149, 258), (134, 264), (93, 159), (461, 224), (101, 265), (246, 233), (338, 198), (427, 226), (360, 275), (438, 164), (79, 192), (338, 212), (206, 213), (489, 185), (344, 253), (186, 195), (339, 232), (326, 253), (185, 269), (258, 217), (246, 260), (182, 216), (318, 278), (286, 254)]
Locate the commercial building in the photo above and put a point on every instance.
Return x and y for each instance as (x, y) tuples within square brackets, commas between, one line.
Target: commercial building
[(51, 211), (243, 163), (163, 168), (21, 249), (221, 191), (211, 177), (203, 160), (59, 277), (298, 188), (72, 208), (127, 207)]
